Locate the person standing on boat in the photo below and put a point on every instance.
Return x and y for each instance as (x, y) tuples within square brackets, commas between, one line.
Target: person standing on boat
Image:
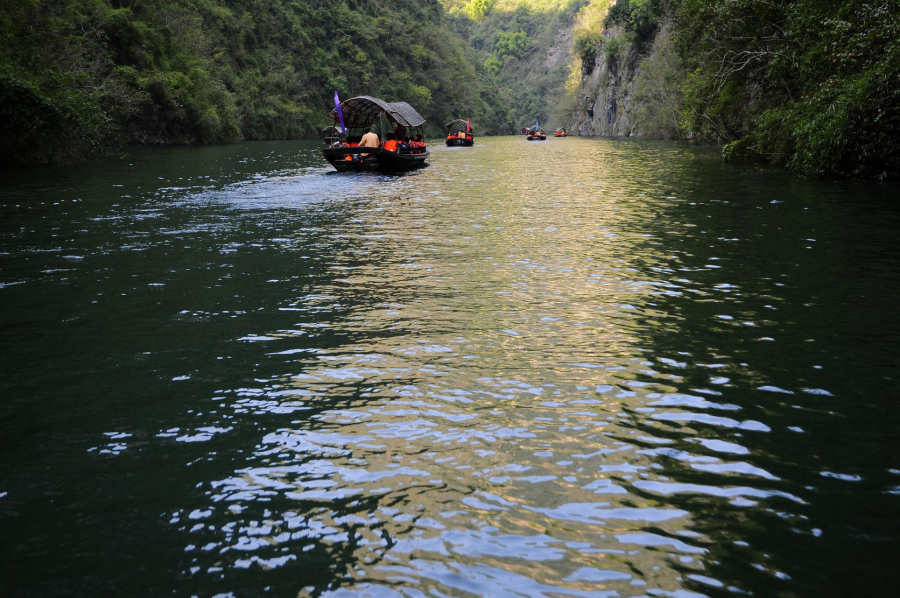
[(369, 139)]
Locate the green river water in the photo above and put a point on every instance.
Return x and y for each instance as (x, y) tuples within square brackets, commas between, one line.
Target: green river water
[(579, 367)]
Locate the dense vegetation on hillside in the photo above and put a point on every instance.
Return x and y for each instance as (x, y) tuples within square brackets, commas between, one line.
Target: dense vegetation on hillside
[(77, 76), (525, 45), (813, 85)]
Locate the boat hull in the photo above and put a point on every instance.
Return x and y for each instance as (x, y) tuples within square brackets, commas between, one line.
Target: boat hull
[(372, 159), (456, 142)]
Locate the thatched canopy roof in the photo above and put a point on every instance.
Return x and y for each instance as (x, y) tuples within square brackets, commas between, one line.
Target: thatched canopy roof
[(362, 111), (459, 123)]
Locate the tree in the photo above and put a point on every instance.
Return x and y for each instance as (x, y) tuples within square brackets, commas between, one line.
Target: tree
[(478, 9)]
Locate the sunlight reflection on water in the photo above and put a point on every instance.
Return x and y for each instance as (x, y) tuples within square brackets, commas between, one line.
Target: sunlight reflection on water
[(495, 387), (575, 368)]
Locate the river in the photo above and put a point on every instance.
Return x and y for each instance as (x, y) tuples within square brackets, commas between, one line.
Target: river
[(579, 367)]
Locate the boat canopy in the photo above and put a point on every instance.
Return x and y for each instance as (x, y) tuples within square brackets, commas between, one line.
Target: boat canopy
[(362, 111), (461, 124)]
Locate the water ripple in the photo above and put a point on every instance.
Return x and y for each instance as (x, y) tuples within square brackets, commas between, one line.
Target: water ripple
[(587, 368)]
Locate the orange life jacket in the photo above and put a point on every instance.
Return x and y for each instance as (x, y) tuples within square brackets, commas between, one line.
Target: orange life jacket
[(390, 145)]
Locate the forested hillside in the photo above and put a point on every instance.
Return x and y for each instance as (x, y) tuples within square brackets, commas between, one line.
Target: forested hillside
[(813, 85), (77, 76), (527, 46)]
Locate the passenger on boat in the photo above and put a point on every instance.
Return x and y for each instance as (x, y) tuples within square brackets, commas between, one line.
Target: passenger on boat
[(369, 139), (391, 144), (399, 131), (351, 141)]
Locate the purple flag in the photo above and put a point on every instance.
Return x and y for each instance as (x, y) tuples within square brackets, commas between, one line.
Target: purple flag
[(337, 105)]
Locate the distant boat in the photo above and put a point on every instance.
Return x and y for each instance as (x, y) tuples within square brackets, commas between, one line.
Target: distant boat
[(534, 133), (397, 119), (561, 132), (460, 133)]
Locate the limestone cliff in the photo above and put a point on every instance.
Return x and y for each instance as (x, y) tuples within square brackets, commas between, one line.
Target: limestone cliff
[(606, 105), (629, 89)]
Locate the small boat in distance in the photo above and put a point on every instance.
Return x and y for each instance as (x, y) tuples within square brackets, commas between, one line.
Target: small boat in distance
[(535, 133), (401, 144), (459, 133), (561, 132)]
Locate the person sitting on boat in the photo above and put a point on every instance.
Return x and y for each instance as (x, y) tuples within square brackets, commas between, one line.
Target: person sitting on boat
[(416, 144), (391, 144), (369, 139)]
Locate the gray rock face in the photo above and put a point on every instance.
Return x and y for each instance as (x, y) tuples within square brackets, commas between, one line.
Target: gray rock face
[(607, 106)]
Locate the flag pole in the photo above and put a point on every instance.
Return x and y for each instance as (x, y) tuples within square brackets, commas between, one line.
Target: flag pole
[(337, 105)]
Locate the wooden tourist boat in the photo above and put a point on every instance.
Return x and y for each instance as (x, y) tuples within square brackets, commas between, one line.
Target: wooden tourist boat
[(534, 133), (398, 119), (460, 133), (561, 132)]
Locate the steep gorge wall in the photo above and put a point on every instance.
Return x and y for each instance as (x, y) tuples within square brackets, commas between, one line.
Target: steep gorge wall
[(606, 106), (629, 89), (526, 47), (805, 84)]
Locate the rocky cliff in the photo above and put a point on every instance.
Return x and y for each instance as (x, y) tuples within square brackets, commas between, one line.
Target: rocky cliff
[(606, 105), (630, 89)]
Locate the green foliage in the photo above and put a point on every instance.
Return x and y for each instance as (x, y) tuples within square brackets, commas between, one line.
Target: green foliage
[(587, 43), (515, 41), (419, 96), (639, 17), (658, 89), (54, 117), (510, 44), (493, 64), (614, 47), (78, 76), (811, 85), (478, 9)]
